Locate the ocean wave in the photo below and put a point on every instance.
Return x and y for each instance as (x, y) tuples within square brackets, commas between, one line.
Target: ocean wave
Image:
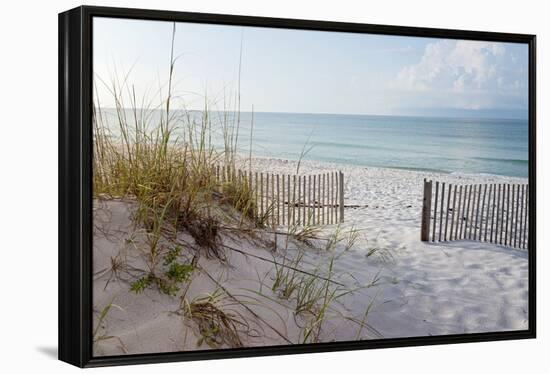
[(503, 160)]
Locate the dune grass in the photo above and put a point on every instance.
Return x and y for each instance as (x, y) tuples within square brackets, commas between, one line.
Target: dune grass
[(217, 326), (98, 333)]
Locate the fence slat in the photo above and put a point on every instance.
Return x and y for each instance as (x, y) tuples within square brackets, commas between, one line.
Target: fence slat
[(459, 212), (526, 230), (463, 214), (294, 199), (493, 212), (282, 201), (467, 216), (309, 208), (327, 200), (300, 200), (517, 217), (313, 202), (472, 215), (510, 214), (482, 210), (477, 210), (498, 214), (261, 195), (521, 215), (256, 206), (453, 214), (513, 211), (447, 211), (288, 198), (341, 203), (426, 210), (336, 198), (435, 210), (332, 201), (323, 200), (274, 202), (278, 202), (319, 199), (321, 191), (305, 208), (441, 210), (487, 216), (507, 215), (503, 214), (268, 198)]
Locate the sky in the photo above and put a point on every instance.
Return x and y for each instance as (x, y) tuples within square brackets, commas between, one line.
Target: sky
[(284, 70)]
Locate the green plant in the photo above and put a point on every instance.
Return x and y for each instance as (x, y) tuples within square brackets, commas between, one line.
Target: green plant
[(179, 272), (142, 283), (172, 255), (175, 274)]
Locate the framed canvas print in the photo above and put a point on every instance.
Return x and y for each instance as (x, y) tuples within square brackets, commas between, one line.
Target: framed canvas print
[(238, 186)]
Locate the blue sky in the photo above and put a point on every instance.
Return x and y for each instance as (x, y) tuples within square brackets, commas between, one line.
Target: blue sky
[(313, 71)]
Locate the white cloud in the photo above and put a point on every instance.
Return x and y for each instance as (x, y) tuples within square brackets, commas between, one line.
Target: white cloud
[(452, 65), (466, 74)]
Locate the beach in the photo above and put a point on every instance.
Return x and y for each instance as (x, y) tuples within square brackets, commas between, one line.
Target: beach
[(402, 287)]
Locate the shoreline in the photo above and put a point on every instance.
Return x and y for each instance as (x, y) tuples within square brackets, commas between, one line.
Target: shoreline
[(288, 166)]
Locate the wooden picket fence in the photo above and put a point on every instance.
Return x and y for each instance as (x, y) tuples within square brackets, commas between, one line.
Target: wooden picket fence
[(494, 213), (289, 199)]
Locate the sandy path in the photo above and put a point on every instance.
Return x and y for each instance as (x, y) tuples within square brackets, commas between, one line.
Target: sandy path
[(429, 288)]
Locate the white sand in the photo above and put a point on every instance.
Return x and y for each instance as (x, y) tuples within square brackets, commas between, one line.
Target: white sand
[(424, 288)]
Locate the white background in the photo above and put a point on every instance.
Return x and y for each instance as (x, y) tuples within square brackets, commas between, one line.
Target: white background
[(28, 185)]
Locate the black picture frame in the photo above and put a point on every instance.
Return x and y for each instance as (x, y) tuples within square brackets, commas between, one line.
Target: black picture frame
[(75, 184)]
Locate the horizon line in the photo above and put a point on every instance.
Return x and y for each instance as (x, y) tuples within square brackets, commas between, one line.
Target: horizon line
[(471, 111)]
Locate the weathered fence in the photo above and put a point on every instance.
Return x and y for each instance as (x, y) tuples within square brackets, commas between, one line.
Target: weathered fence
[(495, 213), (290, 199)]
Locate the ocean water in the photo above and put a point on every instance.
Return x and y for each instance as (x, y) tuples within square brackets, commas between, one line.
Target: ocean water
[(490, 146), (448, 145)]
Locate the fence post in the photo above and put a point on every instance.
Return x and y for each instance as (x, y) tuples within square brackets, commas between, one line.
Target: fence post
[(453, 213), (319, 199), (288, 199), (447, 211), (278, 202), (341, 180), (426, 209), (441, 210), (526, 229), (459, 212), (300, 199), (332, 203), (305, 208), (521, 216), (309, 210)]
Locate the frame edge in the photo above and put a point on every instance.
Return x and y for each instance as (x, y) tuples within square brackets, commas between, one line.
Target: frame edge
[(73, 287), (74, 163)]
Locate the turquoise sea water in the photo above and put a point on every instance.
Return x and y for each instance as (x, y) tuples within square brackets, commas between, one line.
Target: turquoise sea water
[(492, 146), (466, 145)]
